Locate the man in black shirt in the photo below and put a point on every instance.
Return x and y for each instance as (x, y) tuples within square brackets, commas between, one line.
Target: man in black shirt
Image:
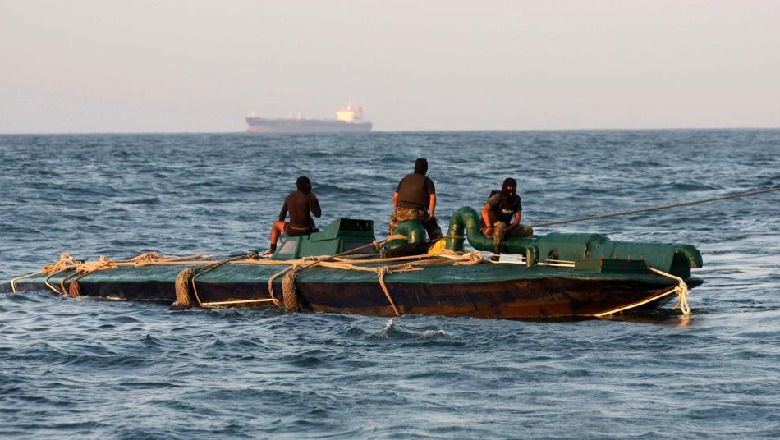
[(415, 199), (300, 203), (498, 213)]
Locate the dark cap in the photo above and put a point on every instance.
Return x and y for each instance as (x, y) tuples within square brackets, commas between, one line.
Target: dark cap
[(303, 184), (421, 165)]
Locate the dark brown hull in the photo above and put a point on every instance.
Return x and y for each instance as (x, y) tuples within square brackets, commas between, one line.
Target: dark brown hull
[(537, 299)]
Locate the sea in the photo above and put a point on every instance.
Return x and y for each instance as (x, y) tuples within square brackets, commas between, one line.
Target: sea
[(97, 369)]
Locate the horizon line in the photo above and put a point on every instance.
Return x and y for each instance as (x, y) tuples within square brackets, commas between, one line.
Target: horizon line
[(756, 128)]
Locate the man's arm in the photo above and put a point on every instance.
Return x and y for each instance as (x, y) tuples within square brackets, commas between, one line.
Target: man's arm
[(432, 205), (486, 211), (486, 215), (486, 219), (515, 222), (395, 200), (314, 205), (283, 212)]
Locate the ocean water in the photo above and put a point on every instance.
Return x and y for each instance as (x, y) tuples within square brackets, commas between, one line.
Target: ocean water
[(87, 368)]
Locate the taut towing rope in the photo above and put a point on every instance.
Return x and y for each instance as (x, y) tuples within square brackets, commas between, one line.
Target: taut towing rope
[(661, 207)]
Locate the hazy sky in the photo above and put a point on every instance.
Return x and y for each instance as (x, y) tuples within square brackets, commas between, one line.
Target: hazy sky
[(203, 65)]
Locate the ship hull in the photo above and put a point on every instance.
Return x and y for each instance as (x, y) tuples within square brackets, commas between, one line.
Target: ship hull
[(479, 291), (263, 125)]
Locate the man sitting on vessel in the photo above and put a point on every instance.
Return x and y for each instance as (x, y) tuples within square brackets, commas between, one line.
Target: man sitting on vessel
[(300, 203), (497, 213), (415, 199)]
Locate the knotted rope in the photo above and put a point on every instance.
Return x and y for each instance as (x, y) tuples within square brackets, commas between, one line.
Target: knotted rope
[(681, 289), (154, 258), (289, 291), (65, 262), (186, 287), (182, 286), (81, 269)]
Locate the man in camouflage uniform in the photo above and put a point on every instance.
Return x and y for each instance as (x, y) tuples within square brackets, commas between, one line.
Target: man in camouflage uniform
[(497, 216), (415, 199)]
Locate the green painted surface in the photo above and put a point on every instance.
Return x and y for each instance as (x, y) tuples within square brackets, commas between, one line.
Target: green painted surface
[(339, 236), (432, 274), (672, 258), (412, 229), (465, 224)]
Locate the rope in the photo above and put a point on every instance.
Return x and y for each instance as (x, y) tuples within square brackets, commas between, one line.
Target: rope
[(681, 289), (382, 273), (23, 277), (182, 288), (186, 279), (289, 293), (151, 258), (200, 271), (81, 269), (658, 208), (74, 290), (239, 302), (65, 262), (338, 262)]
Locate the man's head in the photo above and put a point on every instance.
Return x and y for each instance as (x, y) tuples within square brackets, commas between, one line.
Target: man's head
[(509, 186), (421, 165), (303, 184)]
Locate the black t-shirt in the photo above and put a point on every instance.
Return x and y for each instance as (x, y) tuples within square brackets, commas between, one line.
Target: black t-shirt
[(503, 207), (300, 205), (414, 191)]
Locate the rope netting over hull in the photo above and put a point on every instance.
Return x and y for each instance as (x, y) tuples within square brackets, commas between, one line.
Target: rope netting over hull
[(186, 287), (379, 266)]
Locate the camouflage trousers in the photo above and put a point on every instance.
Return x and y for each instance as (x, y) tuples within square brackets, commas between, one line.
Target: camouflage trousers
[(430, 224), (500, 232)]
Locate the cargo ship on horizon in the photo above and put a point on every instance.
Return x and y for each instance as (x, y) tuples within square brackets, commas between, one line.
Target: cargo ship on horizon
[(348, 119)]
